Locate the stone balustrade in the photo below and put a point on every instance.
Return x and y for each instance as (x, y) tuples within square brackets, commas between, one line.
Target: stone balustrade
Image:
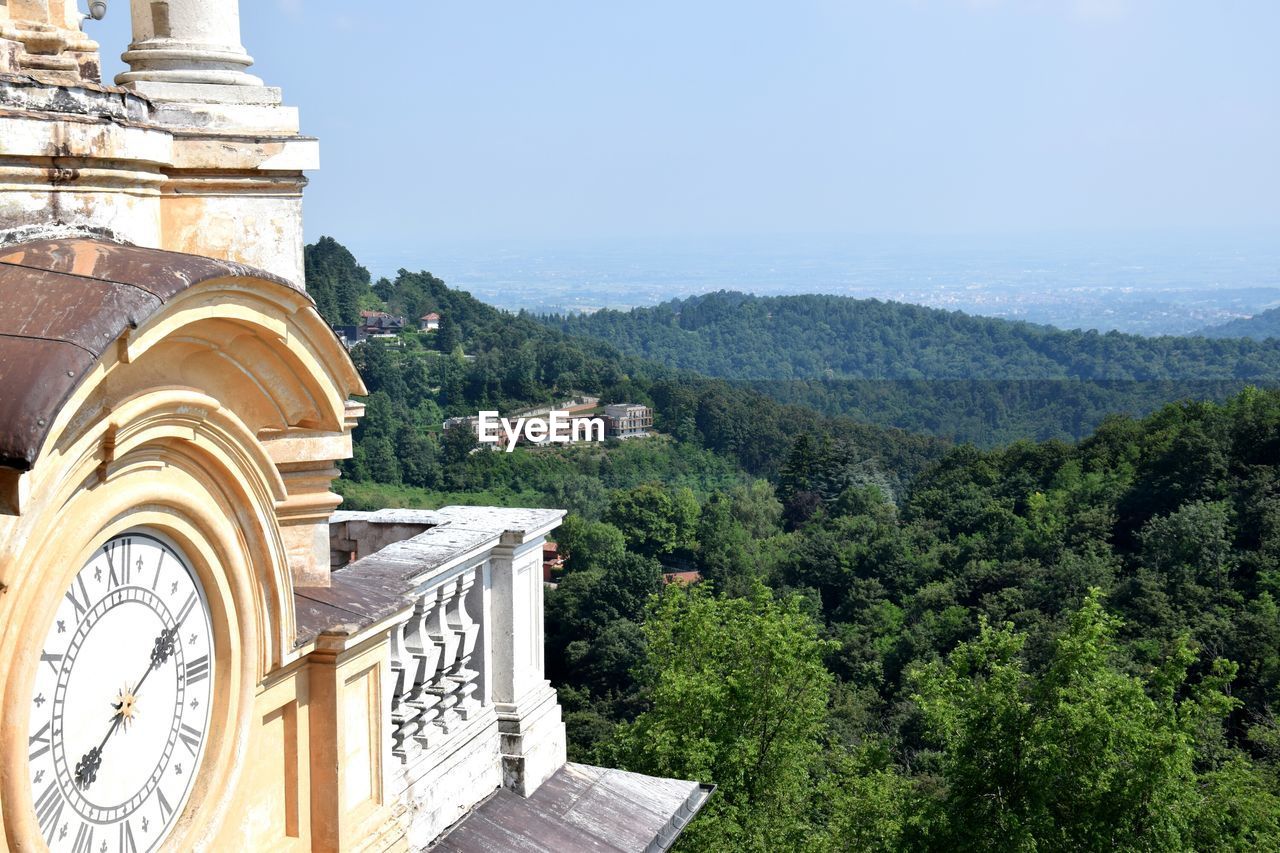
[(433, 660), (455, 597)]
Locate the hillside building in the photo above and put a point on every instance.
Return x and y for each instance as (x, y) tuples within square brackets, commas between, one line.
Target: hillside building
[(374, 323), (627, 420), (201, 652), (350, 335)]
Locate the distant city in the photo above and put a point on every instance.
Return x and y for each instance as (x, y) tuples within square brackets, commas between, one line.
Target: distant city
[(1148, 285)]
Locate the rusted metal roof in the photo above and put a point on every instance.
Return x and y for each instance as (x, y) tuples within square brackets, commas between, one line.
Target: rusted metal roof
[(62, 303), (580, 808)]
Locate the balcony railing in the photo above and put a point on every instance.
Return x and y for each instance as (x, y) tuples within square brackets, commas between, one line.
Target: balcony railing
[(456, 595), (432, 656)]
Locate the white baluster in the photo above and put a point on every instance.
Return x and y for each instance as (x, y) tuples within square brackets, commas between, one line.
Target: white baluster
[(400, 713), (448, 642), (426, 659), (468, 631)]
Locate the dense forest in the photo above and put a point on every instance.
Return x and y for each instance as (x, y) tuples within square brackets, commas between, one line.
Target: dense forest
[(1044, 647), (965, 378), (738, 336), (896, 644)]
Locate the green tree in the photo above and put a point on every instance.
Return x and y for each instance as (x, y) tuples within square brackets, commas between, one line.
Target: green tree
[(738, 694), (723, 544), (627, 582), (684, 514), (335, 280), (456, 444), (587, 545), (380, 459), (447, 336), (647, 517), (1086, 757), (757, 509), (417, 453)]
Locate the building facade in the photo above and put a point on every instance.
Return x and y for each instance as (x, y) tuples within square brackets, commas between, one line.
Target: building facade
[(627, 420), (200, 652)]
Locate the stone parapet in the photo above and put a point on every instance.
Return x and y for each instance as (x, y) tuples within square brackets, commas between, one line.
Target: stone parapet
[(443, 784)]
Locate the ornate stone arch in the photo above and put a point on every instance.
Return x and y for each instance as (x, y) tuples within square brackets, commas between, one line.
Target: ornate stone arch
[(201, 399)]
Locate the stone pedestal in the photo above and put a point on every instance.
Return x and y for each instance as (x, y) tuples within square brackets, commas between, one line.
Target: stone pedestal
[(534, 742), (234, 179), (186, 58)]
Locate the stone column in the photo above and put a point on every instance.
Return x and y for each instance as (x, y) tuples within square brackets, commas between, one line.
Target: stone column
[(186, 42)]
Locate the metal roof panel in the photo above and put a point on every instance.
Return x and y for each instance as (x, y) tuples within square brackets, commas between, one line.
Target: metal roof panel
[(62, 303)]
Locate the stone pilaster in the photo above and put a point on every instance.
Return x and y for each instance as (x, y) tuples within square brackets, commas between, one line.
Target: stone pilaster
[(306, 464), (533, 735)]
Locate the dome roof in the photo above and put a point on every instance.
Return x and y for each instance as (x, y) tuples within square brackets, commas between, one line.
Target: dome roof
[(63, 302)]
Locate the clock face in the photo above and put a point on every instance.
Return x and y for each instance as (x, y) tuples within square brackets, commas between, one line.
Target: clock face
[(120, 706)]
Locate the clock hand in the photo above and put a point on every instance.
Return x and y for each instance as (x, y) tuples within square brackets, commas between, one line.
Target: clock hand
[(159, 653), (87, 767)]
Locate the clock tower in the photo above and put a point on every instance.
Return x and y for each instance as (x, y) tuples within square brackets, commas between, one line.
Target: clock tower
[(199, 651)]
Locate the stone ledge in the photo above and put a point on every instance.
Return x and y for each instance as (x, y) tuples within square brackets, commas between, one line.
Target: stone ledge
[(222, 152), (206, 93), (235, 119), (35, 92)]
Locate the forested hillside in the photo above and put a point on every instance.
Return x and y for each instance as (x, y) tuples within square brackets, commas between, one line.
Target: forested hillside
[(1045, 647), (338, 284), (484, 358), (737, 336), (968, 379), (895, 645), (1261, 327), (993, 412)]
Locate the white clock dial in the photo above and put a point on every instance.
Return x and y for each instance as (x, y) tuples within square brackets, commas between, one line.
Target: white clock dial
[(120, 707)]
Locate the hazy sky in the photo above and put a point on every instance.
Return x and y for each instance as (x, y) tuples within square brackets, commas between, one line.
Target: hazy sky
[(576, 119)]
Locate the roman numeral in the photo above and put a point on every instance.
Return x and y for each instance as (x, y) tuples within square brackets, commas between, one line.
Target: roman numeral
[(41, 737), (186, 609), (197, 670), (127, 844), (84, 839), (125, 548), (49, 809), (165, 808), (54, 661), (190, 738), (79, 602)]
